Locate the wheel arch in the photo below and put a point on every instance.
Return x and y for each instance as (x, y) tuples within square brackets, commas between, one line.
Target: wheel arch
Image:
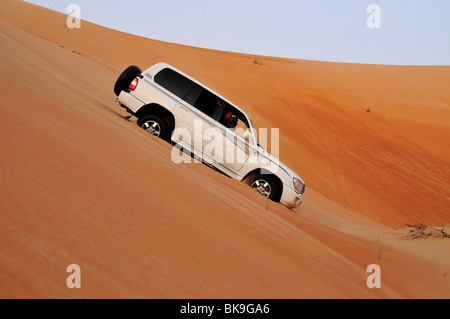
[(156, 109)]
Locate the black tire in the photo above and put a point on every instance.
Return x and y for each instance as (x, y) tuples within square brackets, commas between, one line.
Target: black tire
[(267, 185), (155, 125), (126, 78)]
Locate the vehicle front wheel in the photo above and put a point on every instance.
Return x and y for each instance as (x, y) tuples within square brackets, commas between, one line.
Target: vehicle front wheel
[(155, 125), (267, 186)]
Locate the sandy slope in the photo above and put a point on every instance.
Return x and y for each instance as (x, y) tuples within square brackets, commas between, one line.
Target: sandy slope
[(79, 184)]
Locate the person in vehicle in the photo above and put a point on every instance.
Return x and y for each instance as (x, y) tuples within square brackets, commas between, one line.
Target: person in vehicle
[(229, 120)]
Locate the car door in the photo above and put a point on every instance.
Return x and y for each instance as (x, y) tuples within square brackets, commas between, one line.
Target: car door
[(227, 145), (195, 114)]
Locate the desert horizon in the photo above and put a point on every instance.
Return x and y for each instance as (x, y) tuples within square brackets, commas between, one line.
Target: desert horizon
[(81, 184)]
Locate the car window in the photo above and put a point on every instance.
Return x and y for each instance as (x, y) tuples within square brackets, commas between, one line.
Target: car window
[(193, 94), (174, 82), (203, 100), (208, 103), (233, 119)]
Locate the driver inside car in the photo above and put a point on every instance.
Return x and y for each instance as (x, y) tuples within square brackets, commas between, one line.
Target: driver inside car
[(229, 120)]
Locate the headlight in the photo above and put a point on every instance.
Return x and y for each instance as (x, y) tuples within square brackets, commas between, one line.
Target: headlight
[(299, 186)]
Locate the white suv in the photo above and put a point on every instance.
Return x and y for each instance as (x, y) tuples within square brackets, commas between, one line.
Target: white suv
[(177, 108)]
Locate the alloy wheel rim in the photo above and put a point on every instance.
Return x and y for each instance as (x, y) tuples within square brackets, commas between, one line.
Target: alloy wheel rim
[(262, 187), (152, 127)]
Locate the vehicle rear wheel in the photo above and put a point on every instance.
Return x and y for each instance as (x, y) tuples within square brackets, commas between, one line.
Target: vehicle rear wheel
[(155, 125), (267, 186), (126, 78)]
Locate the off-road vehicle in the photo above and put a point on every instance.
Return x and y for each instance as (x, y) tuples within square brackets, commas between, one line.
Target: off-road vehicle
[(179, 109)]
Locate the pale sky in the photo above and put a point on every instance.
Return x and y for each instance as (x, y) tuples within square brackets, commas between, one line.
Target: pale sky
[(411, 32)]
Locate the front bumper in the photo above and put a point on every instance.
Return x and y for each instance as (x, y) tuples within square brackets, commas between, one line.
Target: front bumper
[(290, 197)]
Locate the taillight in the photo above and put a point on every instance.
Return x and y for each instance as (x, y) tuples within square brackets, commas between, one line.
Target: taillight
[(133, 84)]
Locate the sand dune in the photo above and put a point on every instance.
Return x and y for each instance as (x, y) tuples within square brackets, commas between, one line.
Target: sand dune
[(82, 185)]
